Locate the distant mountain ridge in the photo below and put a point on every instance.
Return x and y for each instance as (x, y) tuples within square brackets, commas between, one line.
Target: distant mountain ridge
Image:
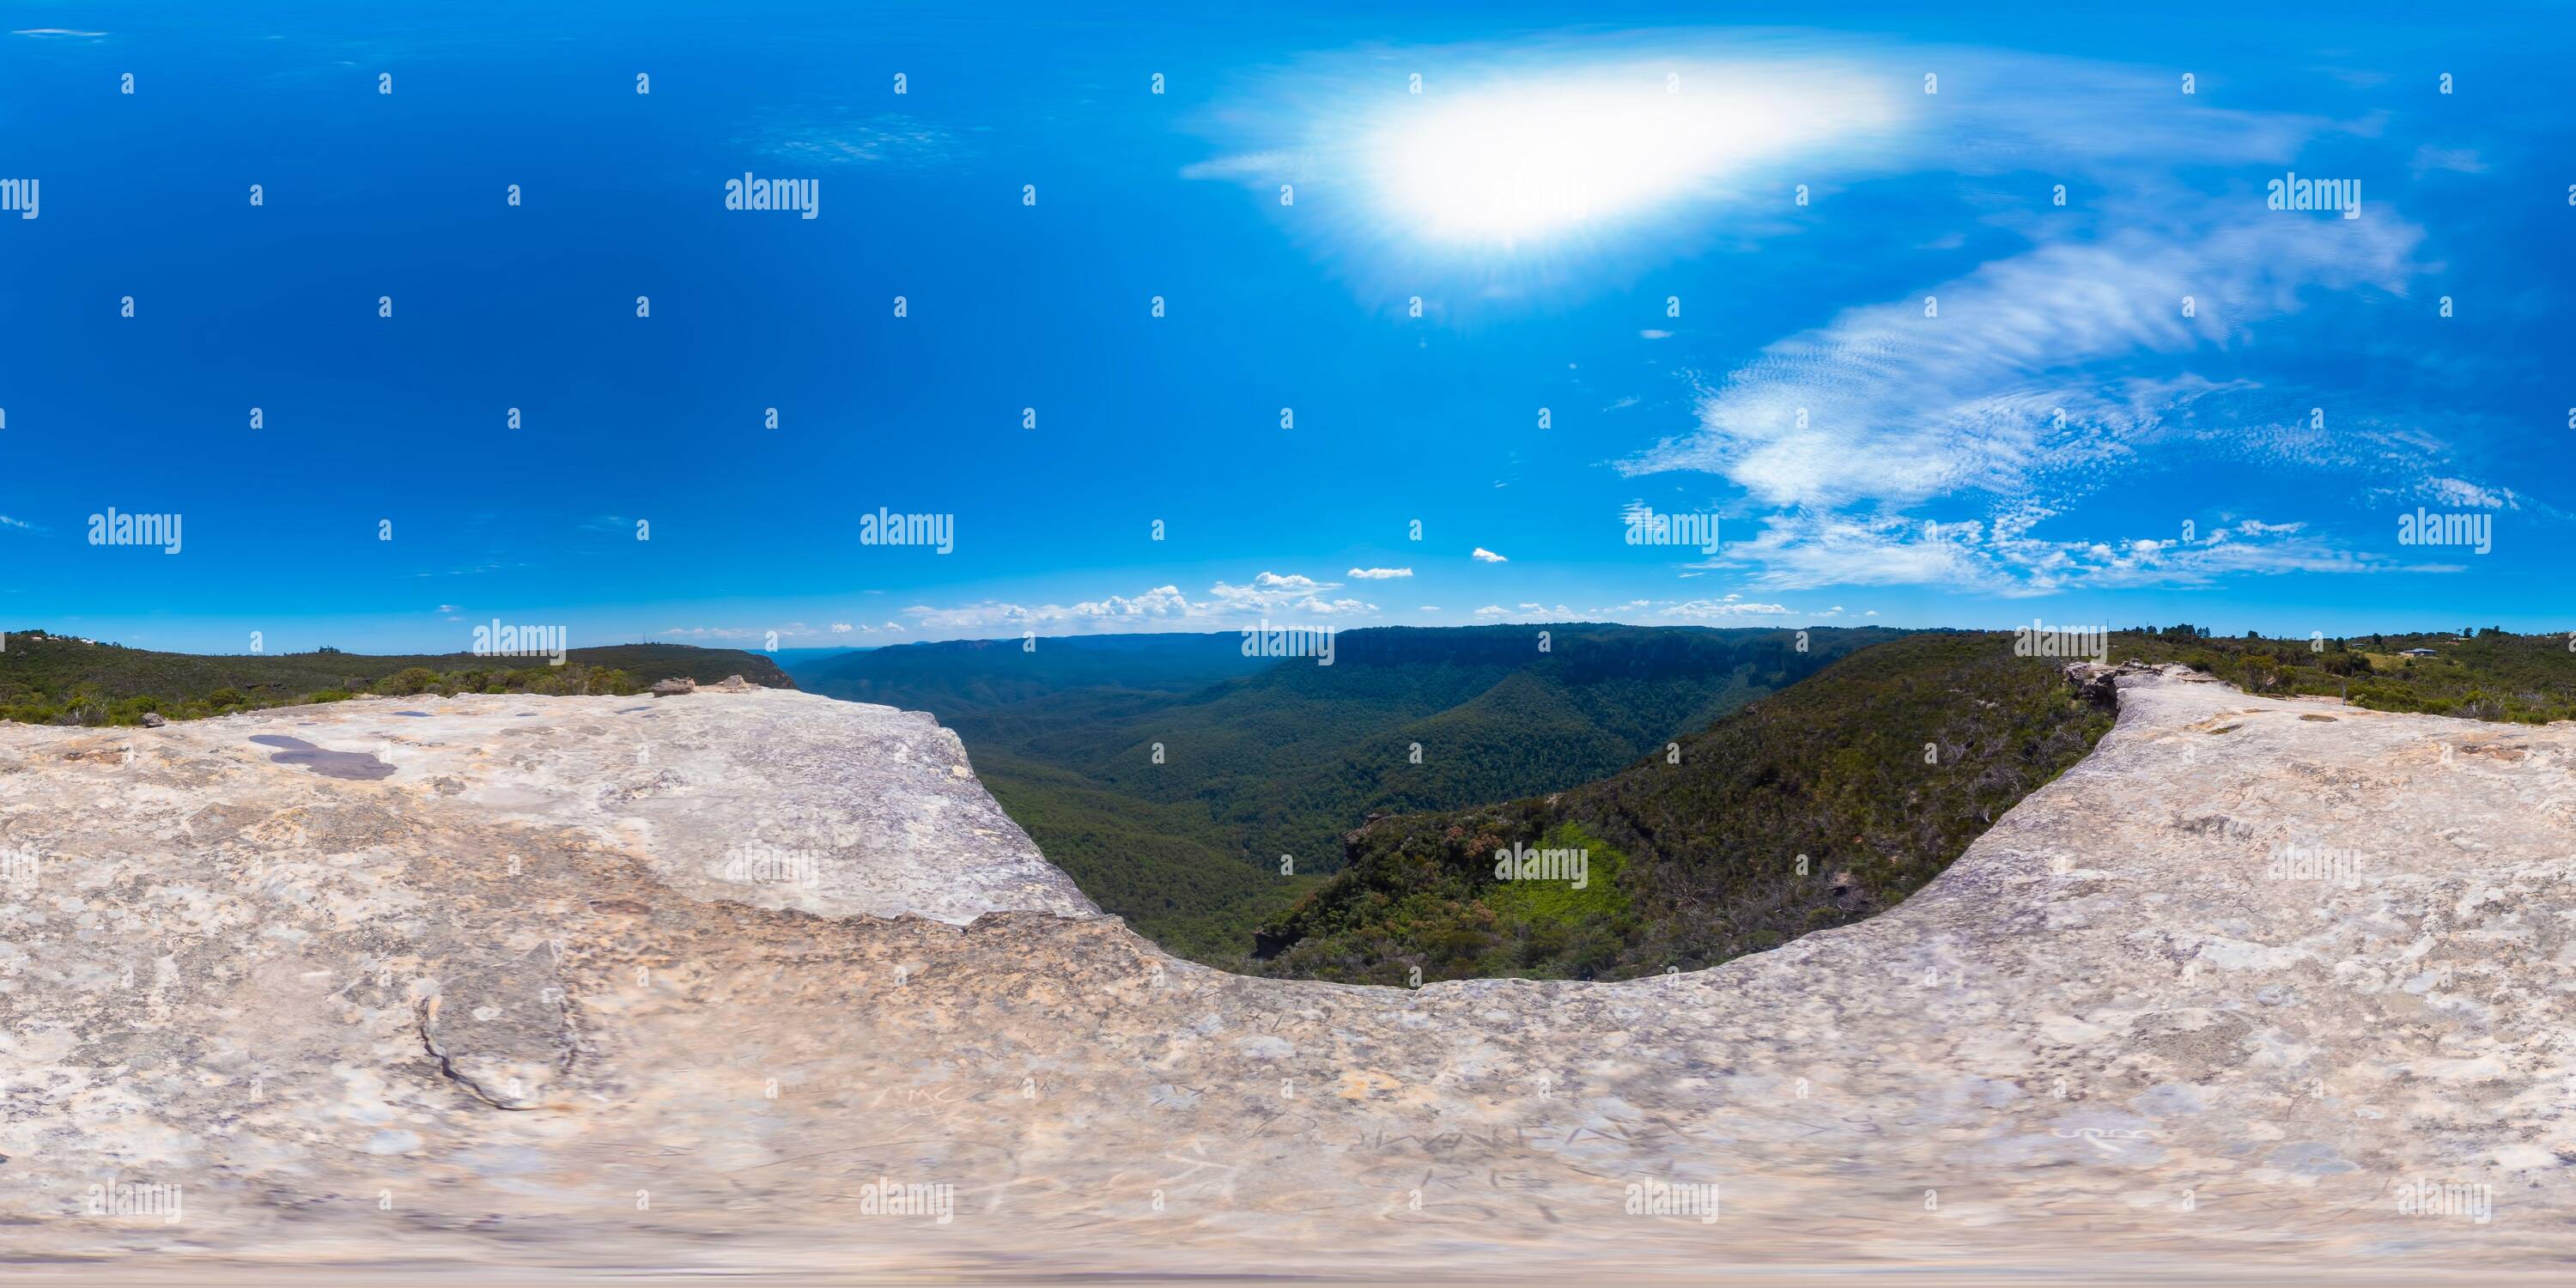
[(957, 677), (48, 678)]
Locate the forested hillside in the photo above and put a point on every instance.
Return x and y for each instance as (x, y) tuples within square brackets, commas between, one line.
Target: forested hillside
[(1173, 793), (1809, 808), (60, 679), (1818, 805)]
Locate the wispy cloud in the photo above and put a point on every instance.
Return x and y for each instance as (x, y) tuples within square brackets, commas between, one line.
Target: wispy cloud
[(1986, 381), (1161, 608), (1810, 550), (2430, 158), (1730, 606), (838, 136)]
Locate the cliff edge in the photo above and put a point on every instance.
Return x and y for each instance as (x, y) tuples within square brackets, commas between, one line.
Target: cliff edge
[(735, 980)]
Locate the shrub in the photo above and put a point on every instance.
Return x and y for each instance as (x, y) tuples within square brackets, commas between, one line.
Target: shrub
[(407, 681)]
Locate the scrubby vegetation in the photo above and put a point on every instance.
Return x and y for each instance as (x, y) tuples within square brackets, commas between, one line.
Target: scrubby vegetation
[(2476, 673), (51, 679), (1818, 806), (1169, 782), (1809, 808)]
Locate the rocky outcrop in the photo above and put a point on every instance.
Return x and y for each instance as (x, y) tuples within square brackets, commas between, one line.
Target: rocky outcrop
[(2099, 683), (764, 980)]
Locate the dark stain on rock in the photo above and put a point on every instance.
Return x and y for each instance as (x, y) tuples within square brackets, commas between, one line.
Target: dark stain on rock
[(329, 764)]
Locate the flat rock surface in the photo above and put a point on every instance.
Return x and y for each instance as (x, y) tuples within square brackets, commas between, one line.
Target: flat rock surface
[(2261, 988)]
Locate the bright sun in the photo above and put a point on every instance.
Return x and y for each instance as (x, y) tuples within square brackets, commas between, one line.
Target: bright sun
[(1521, 161)]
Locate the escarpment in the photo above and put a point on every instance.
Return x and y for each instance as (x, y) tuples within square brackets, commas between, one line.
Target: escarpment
[(761, 979)]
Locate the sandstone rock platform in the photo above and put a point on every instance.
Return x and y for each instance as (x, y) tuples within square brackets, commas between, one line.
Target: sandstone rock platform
[(736, 982)]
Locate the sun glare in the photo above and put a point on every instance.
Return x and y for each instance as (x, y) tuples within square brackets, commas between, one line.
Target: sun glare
[(1528, 160)]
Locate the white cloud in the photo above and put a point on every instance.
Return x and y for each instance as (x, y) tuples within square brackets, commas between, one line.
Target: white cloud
[(1571, 145), (1483, 555), (1727, 607), (838, 137), (1886, 404), (1378, 574), (1808, 550), (714, 632), (1513, 156), (1161, 608), (841, 628), (1267, 593), (1161, 601), (1333, 607), (2461, 492), (2429, 158)]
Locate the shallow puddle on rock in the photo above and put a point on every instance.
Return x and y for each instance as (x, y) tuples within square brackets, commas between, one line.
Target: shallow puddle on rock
[(328, 763)]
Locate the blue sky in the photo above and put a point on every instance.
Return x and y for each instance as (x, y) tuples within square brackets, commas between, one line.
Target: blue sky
[(1600, 220)]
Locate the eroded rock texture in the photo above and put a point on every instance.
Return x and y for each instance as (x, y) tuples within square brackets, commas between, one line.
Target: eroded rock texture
[(743, 980)]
